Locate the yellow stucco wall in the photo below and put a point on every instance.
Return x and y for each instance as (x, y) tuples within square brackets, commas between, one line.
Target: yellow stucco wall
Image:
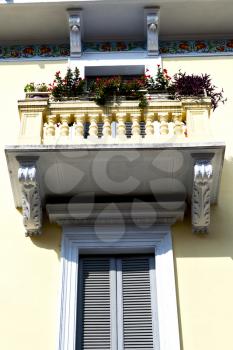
[(30, 268), (204, 265)]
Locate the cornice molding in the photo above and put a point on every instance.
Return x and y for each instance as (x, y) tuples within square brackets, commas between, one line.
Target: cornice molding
[(139, 213), (31, 201)]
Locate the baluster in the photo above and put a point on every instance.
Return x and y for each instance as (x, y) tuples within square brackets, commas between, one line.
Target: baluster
[(107, 131), (135, 117), (149, 127), (121, 128), (178, 125), (64, 128), (50, 129), (79, 126), (163, 118), (93, 129)]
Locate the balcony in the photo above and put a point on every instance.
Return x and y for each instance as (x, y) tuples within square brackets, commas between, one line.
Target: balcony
[(85, 123), (77, 154)]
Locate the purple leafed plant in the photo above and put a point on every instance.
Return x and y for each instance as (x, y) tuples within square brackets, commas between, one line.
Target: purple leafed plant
[(197, 85)]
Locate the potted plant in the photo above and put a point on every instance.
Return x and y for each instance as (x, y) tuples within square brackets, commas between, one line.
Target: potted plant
[(69, 87), (114, 89), (106, 89), (196, 86), (33, 90), (159, 86)]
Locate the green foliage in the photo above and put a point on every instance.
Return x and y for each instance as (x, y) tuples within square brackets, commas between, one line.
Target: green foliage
[(111, 89), (197, 85), (160, 83), (32, 87), (68, 87)]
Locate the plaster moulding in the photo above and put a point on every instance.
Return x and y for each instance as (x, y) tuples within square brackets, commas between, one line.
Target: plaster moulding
[(203, 174), (31, 201), (152, 17), (139, 213), (75, 28)]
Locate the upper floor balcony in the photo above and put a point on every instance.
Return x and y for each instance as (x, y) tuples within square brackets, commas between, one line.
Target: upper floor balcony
[(83, 122), (79, 152)]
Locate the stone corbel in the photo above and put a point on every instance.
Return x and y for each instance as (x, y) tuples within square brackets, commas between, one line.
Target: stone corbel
[(31, 201), (75, 27), (203, 173), (152, 31)]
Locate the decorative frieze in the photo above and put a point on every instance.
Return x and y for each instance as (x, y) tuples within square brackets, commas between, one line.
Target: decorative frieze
[(31, 201), (203, 173), (166, 48)]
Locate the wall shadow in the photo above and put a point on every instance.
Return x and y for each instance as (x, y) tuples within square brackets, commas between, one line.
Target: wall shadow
[(50, 237)]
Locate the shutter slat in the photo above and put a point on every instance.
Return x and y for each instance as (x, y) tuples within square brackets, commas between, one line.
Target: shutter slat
[(137, 314), (95, 301)]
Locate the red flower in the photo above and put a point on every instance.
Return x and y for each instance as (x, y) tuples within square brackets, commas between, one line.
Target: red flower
[(158, 65), (58, 73), (165, 71)]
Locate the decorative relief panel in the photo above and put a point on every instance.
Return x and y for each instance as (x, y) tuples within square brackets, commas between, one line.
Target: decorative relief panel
[(31, 201), (75, 33), (203, 173), (152, 23)]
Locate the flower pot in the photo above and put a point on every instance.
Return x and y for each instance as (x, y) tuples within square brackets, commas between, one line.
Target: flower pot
[(37, 94), (159, 95)]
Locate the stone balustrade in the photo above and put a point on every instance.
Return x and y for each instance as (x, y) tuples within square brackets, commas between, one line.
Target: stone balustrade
[(83, 122)]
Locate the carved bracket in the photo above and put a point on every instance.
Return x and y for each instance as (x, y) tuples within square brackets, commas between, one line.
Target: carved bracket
[(75, 28), (203, 173), (31, 201), (152, 29)]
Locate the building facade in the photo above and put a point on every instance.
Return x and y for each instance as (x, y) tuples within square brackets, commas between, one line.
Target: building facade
[(126, 210)]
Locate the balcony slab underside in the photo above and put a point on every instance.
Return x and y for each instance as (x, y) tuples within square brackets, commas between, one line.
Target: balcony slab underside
[(154, 173)]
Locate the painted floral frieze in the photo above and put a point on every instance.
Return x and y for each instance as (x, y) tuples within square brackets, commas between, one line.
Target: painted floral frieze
[(33, 51), (177, 47)]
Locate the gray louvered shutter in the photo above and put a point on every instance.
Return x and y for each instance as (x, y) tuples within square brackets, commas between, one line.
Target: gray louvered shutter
[(137, 304), (94, 323)]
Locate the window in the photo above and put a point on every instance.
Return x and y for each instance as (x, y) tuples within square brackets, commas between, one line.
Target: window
[(116, 309), (138, 259)]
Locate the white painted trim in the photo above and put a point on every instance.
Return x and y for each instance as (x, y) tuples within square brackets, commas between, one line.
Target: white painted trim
[(154, 307), (113, 308), (120, 341), (166, 296), (82, 239)]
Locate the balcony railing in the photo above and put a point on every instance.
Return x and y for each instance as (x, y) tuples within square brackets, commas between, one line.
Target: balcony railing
[(84, 122)]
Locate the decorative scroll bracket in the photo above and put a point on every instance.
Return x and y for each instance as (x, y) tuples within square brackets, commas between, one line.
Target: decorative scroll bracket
[(203, 173), (152, 16), (31, 201), (75, 27)]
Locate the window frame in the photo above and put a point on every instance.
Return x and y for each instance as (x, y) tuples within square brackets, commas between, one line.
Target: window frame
[(78, 240)]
